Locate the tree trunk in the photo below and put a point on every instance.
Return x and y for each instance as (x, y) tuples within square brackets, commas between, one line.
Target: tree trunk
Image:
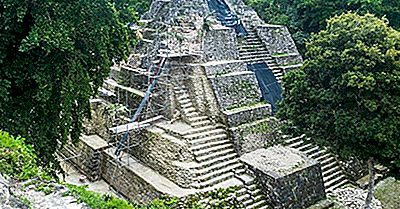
[(371, 184)]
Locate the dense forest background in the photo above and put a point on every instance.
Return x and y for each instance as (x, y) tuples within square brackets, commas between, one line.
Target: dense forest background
[(304, 17)]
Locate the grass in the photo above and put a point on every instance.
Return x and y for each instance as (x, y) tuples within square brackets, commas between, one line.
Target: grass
[(388, 192)]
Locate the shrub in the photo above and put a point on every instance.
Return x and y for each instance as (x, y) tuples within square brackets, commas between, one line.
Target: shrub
[(17, 159)]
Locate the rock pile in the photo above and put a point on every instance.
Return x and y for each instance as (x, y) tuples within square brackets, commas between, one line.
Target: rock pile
[(352, 198)]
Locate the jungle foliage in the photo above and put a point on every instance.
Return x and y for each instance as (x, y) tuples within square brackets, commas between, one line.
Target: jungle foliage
[(347, 94), (304, 17), (54, 54)]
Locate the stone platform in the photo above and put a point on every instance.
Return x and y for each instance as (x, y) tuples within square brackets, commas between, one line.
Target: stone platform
[(289, 179)]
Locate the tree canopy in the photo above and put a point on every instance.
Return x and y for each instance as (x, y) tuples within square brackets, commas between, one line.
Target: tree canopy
[(347, 94), (54, 54), (304, 17)]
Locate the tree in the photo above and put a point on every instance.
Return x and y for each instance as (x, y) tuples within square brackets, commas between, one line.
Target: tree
[(54, 54), (347, 94), (304, 17)]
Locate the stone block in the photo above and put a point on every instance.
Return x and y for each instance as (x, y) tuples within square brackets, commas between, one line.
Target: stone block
[(288, 178), (220, 44), (277, 39), (247, 114), (86, 155), (236, 90), (256, 135)]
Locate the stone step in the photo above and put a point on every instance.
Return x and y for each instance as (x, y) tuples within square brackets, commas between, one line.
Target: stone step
[(247, 180), (189, 110), (204, 170), (246, 57), (208, 139), (214, 149), (337, 185), (333, 175), (192, 114), (293, 140), (214, 155), (214, 181), (329, 171), (248, 202), (202, 129), (252, 46), (333, 182), (211, 132), (322, 157), (296, 144), (208, 145), (218, 160), (187, 105), (255, 60), (201, 123), (255, 52), (197, 119), (183, 96), (304, 147), (243, 197), (317, 154), (312, 150), (218, 172), (257, 204), (252, 187), (184, 101), (327, 166), (251, 41)]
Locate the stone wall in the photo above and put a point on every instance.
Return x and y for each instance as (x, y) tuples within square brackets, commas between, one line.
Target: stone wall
[(247, 114), (165, 154), (219, 44), (252, 136), (222, 68), (86, 155), (236, 90), (288, 59), (289, 179), (204, 97), (277, 39), (120, 176)]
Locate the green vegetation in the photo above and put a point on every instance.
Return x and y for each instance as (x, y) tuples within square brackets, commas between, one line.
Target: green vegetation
[(16, 158), (54, 54), (304, 17), (388, 192), (347, 94)]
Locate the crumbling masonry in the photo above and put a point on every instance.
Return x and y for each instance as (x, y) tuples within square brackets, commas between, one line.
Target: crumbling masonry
[(201, 87)]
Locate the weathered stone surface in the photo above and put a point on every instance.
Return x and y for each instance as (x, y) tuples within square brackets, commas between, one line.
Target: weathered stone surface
[(252, 136), (353, 198), (135, 180), (236, 90), (165, 154), (224, 67), (277, 39), (219, 44), (288, 59), (289, 179), (12, 194), (86, 155), (204, 100), (247, 114)]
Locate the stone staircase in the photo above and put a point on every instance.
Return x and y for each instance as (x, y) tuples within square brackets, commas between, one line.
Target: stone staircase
[(252, 50), (217, 159), (332, 174)]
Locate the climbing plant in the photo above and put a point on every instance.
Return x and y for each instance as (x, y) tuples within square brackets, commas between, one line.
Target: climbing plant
[(54, 54), (347, 95)]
